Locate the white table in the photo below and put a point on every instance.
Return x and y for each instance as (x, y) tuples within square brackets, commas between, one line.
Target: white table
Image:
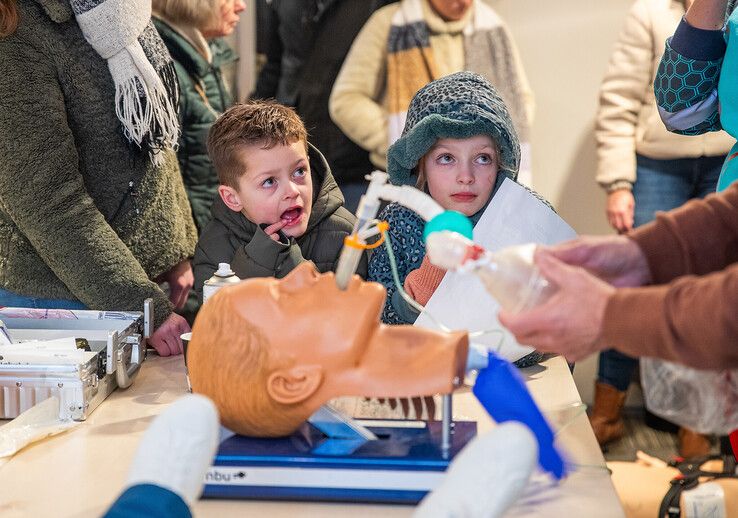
[(81, 472)]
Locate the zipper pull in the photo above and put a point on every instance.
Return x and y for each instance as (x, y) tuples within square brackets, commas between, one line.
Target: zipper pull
[(133, 194)]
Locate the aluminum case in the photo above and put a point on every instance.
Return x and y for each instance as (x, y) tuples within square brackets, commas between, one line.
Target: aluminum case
[(118, 347)]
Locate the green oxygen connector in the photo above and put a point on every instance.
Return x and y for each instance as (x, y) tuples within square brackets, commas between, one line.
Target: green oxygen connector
[(452, 221)]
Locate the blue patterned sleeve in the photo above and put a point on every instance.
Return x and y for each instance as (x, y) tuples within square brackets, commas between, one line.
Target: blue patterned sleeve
[(687, 80), (406, 238)]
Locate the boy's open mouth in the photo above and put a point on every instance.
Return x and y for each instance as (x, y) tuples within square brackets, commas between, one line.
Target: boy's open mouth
[(292, 216)]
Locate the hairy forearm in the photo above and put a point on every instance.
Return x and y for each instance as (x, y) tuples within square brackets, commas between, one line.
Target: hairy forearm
[(707, 14)]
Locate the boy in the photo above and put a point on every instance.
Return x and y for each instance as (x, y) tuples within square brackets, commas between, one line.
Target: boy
[(278, 203)]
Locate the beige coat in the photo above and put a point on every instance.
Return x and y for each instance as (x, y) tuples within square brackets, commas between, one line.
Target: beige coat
[(628, 121), (358, 102)]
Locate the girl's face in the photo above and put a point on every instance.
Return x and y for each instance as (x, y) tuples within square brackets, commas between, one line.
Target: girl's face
[(461, 173)]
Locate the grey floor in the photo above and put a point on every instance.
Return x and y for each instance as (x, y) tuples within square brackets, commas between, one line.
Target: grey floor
[(639, 436)]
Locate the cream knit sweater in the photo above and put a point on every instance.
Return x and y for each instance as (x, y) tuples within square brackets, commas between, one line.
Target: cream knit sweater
[(358, 102)]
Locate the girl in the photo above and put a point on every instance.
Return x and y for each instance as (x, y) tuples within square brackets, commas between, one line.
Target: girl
[(459, 144)]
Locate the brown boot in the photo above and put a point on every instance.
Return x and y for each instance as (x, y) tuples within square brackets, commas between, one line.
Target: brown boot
[(693, 444), (605, 418)]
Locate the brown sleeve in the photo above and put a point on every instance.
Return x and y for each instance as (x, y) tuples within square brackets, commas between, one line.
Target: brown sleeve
[(698, 238), (692, 320)]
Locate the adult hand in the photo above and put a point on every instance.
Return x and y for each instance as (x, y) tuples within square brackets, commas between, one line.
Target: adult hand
[(570, 322), (166, 339), (180, 279), (707, 14), (614, 259), (620, 209)]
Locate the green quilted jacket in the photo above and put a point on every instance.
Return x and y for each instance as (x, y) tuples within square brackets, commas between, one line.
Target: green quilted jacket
[(203, 96), (83, 213)]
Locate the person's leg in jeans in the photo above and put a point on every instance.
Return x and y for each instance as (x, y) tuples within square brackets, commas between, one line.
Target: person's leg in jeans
[(660, 185), (15, 300), (707, 172)]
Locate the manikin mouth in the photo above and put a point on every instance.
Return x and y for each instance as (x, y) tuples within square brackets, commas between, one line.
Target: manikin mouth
[(291, 215)]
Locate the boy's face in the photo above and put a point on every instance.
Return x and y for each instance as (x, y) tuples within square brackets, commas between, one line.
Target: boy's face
[(461, 173), (276, 187)]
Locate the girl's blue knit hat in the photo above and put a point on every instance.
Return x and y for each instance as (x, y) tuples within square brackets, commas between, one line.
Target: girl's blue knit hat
[(457, 106)]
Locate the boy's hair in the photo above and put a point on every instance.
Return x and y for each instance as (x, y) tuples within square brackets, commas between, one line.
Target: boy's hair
[(8, 17), (262, 123)]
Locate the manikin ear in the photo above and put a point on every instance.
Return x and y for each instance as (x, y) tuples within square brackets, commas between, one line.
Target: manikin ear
[(230, 197), (294, 385)]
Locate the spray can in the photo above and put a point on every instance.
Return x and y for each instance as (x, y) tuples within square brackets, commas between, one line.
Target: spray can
[(222, 277)]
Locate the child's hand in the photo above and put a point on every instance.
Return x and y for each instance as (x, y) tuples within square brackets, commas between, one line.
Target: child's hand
[(420, 284), (273, 230)]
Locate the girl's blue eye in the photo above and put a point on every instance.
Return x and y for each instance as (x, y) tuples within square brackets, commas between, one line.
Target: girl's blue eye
[(484, 159), (445, 159), (269, 182), (300, 173)]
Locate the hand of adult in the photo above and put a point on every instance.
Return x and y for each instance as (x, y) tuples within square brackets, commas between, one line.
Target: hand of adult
[(616, 260), (180, 279), (570, 322), (707, 14), (620, 209), (166, 339)]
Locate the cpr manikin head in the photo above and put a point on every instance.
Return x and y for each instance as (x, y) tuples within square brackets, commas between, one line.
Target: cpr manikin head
[(270, 352)]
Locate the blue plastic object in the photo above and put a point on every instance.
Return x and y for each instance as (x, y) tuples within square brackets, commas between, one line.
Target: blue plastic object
[(401, 467), (450, 220), (502, 392)]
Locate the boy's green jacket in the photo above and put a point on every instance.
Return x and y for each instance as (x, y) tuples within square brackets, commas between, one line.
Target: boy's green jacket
[(83, 213), (231, 238)]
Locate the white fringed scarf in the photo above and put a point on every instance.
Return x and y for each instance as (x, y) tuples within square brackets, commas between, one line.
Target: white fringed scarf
[(146, 91)]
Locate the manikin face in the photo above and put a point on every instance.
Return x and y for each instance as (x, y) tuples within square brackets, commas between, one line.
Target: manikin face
[(270, 352), (451, 10), (230, 12), (461, 173), (275, 188), (311, 323)]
